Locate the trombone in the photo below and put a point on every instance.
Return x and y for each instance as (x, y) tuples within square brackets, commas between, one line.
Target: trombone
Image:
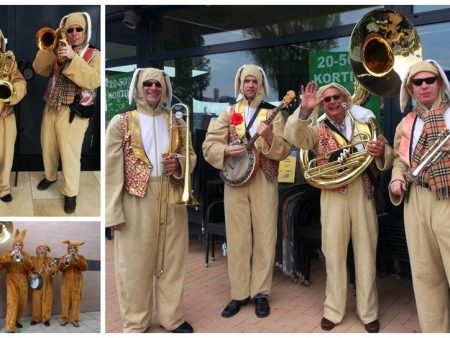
[(187, 197)]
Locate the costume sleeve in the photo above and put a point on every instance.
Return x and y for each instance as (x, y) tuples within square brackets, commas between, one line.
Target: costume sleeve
[(216, 140), (85, 75), (82, 264), (43, 63), (20, 87), (300, 133), (279, 148), (192, 155), (5, 258), (114, 173), (386, 163), (399, 167)]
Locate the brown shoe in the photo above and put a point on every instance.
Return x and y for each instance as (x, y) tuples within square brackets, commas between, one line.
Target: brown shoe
[(373, 327), (327, 324)]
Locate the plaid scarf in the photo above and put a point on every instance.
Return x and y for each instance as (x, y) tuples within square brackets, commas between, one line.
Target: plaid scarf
[(437, 176), (61, 90)]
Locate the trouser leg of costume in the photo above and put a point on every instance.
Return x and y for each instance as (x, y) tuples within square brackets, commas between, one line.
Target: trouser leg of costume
[(170, 285), (335, 219), (75, 301), (65, 299), (264, 206), (49, 144), (23, 297), (135, 250), (8, 133), (364, 234), (428, 237), (239, 239), (12, 305), (47, 301), (36, 308)]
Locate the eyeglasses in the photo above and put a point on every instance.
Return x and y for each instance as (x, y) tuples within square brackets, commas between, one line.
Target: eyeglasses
[(151, 83), (427, 80), (335, 97), (78, 29)]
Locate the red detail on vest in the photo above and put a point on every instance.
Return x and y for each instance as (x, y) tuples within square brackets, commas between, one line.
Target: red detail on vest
[(137, 172), (405, 137)]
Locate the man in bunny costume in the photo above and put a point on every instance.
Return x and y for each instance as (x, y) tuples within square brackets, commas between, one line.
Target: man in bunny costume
[(427, 197), (349, 210), (74, 69), (150, 230), (250, 209)]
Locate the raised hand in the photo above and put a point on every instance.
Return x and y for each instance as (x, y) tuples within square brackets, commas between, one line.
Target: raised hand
[(309, 99)]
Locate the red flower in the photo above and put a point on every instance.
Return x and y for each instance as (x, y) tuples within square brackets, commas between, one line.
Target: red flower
[(236, 119)]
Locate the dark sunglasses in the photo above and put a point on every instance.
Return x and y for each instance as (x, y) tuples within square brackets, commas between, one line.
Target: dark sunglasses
[(335, 98), (151, 83), (78, 29), (427, 80)]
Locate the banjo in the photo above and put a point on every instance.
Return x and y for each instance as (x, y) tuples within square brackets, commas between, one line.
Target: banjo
[(36, 282), (239, 170)]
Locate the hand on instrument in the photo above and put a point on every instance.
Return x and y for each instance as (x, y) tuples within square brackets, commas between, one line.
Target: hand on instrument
[(171, 164), (376, 148), (117, 227), (309, 100), (397, 187), (234, 150), (266, 131), (65, 50)]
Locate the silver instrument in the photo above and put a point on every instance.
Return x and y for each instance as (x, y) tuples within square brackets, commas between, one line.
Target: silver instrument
[(432, 155), (68, 258), (17, 257)]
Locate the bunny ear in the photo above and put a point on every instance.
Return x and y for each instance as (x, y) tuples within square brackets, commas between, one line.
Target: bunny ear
[(132, 84), (266, 83), (24, 232), (89, 27), (404, 94), (237, 81), (169, 88), (66, 242)]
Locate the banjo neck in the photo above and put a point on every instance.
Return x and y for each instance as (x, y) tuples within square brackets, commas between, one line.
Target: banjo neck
[(269, 120)]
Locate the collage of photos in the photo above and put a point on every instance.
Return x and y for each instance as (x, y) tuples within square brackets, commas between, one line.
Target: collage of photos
[(211, 168)]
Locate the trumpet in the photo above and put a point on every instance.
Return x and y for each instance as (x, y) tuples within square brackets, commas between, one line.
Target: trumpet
[(432, 155), (48, 39), (17, 257), (67, 259)]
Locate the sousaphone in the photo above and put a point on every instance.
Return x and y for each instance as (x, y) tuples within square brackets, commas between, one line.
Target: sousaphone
[(383, 46)]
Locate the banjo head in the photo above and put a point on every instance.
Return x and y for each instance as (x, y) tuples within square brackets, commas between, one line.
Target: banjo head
[(36, 282), (239, 169)]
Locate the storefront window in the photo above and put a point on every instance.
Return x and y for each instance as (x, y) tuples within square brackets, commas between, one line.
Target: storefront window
[(427, 8)]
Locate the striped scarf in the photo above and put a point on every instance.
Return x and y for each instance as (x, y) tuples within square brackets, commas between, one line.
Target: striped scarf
[(61, 90), (437, 176)]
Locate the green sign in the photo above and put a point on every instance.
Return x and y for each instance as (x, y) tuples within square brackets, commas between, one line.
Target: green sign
[(326, 67), (117, 86)]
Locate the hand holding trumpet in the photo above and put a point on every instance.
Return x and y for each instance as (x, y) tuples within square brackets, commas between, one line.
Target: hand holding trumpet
[(65, 50)]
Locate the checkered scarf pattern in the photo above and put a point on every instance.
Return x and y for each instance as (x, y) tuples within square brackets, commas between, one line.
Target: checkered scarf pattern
[(436, 177), (61, 90)]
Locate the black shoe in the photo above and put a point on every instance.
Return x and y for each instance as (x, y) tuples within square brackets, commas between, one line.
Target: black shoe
[(6, 198), (44, 184), (262, 308), (19, 325), (184, 328), (70, 203), (327, 324), (233, 307), (33, 322), (373, 327), (47, 323)]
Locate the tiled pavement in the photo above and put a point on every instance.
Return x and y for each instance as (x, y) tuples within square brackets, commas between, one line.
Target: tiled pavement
[(29, 201), (294, 308), (89, 323)]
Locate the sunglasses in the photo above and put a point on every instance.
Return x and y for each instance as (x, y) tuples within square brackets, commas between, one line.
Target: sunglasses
[(78, 29), (427, 80), (151, 83), (335, 97)]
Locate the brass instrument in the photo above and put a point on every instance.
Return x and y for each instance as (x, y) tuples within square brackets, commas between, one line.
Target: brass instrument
[(48, 39), (349, 164), (187, 198), (432, 155), (8, 66), (6, 229), (68, 258), (383, 45), (17, 257)]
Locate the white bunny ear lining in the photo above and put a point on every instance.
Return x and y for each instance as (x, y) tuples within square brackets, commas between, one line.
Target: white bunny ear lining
[(132, 84), (266, 83)]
